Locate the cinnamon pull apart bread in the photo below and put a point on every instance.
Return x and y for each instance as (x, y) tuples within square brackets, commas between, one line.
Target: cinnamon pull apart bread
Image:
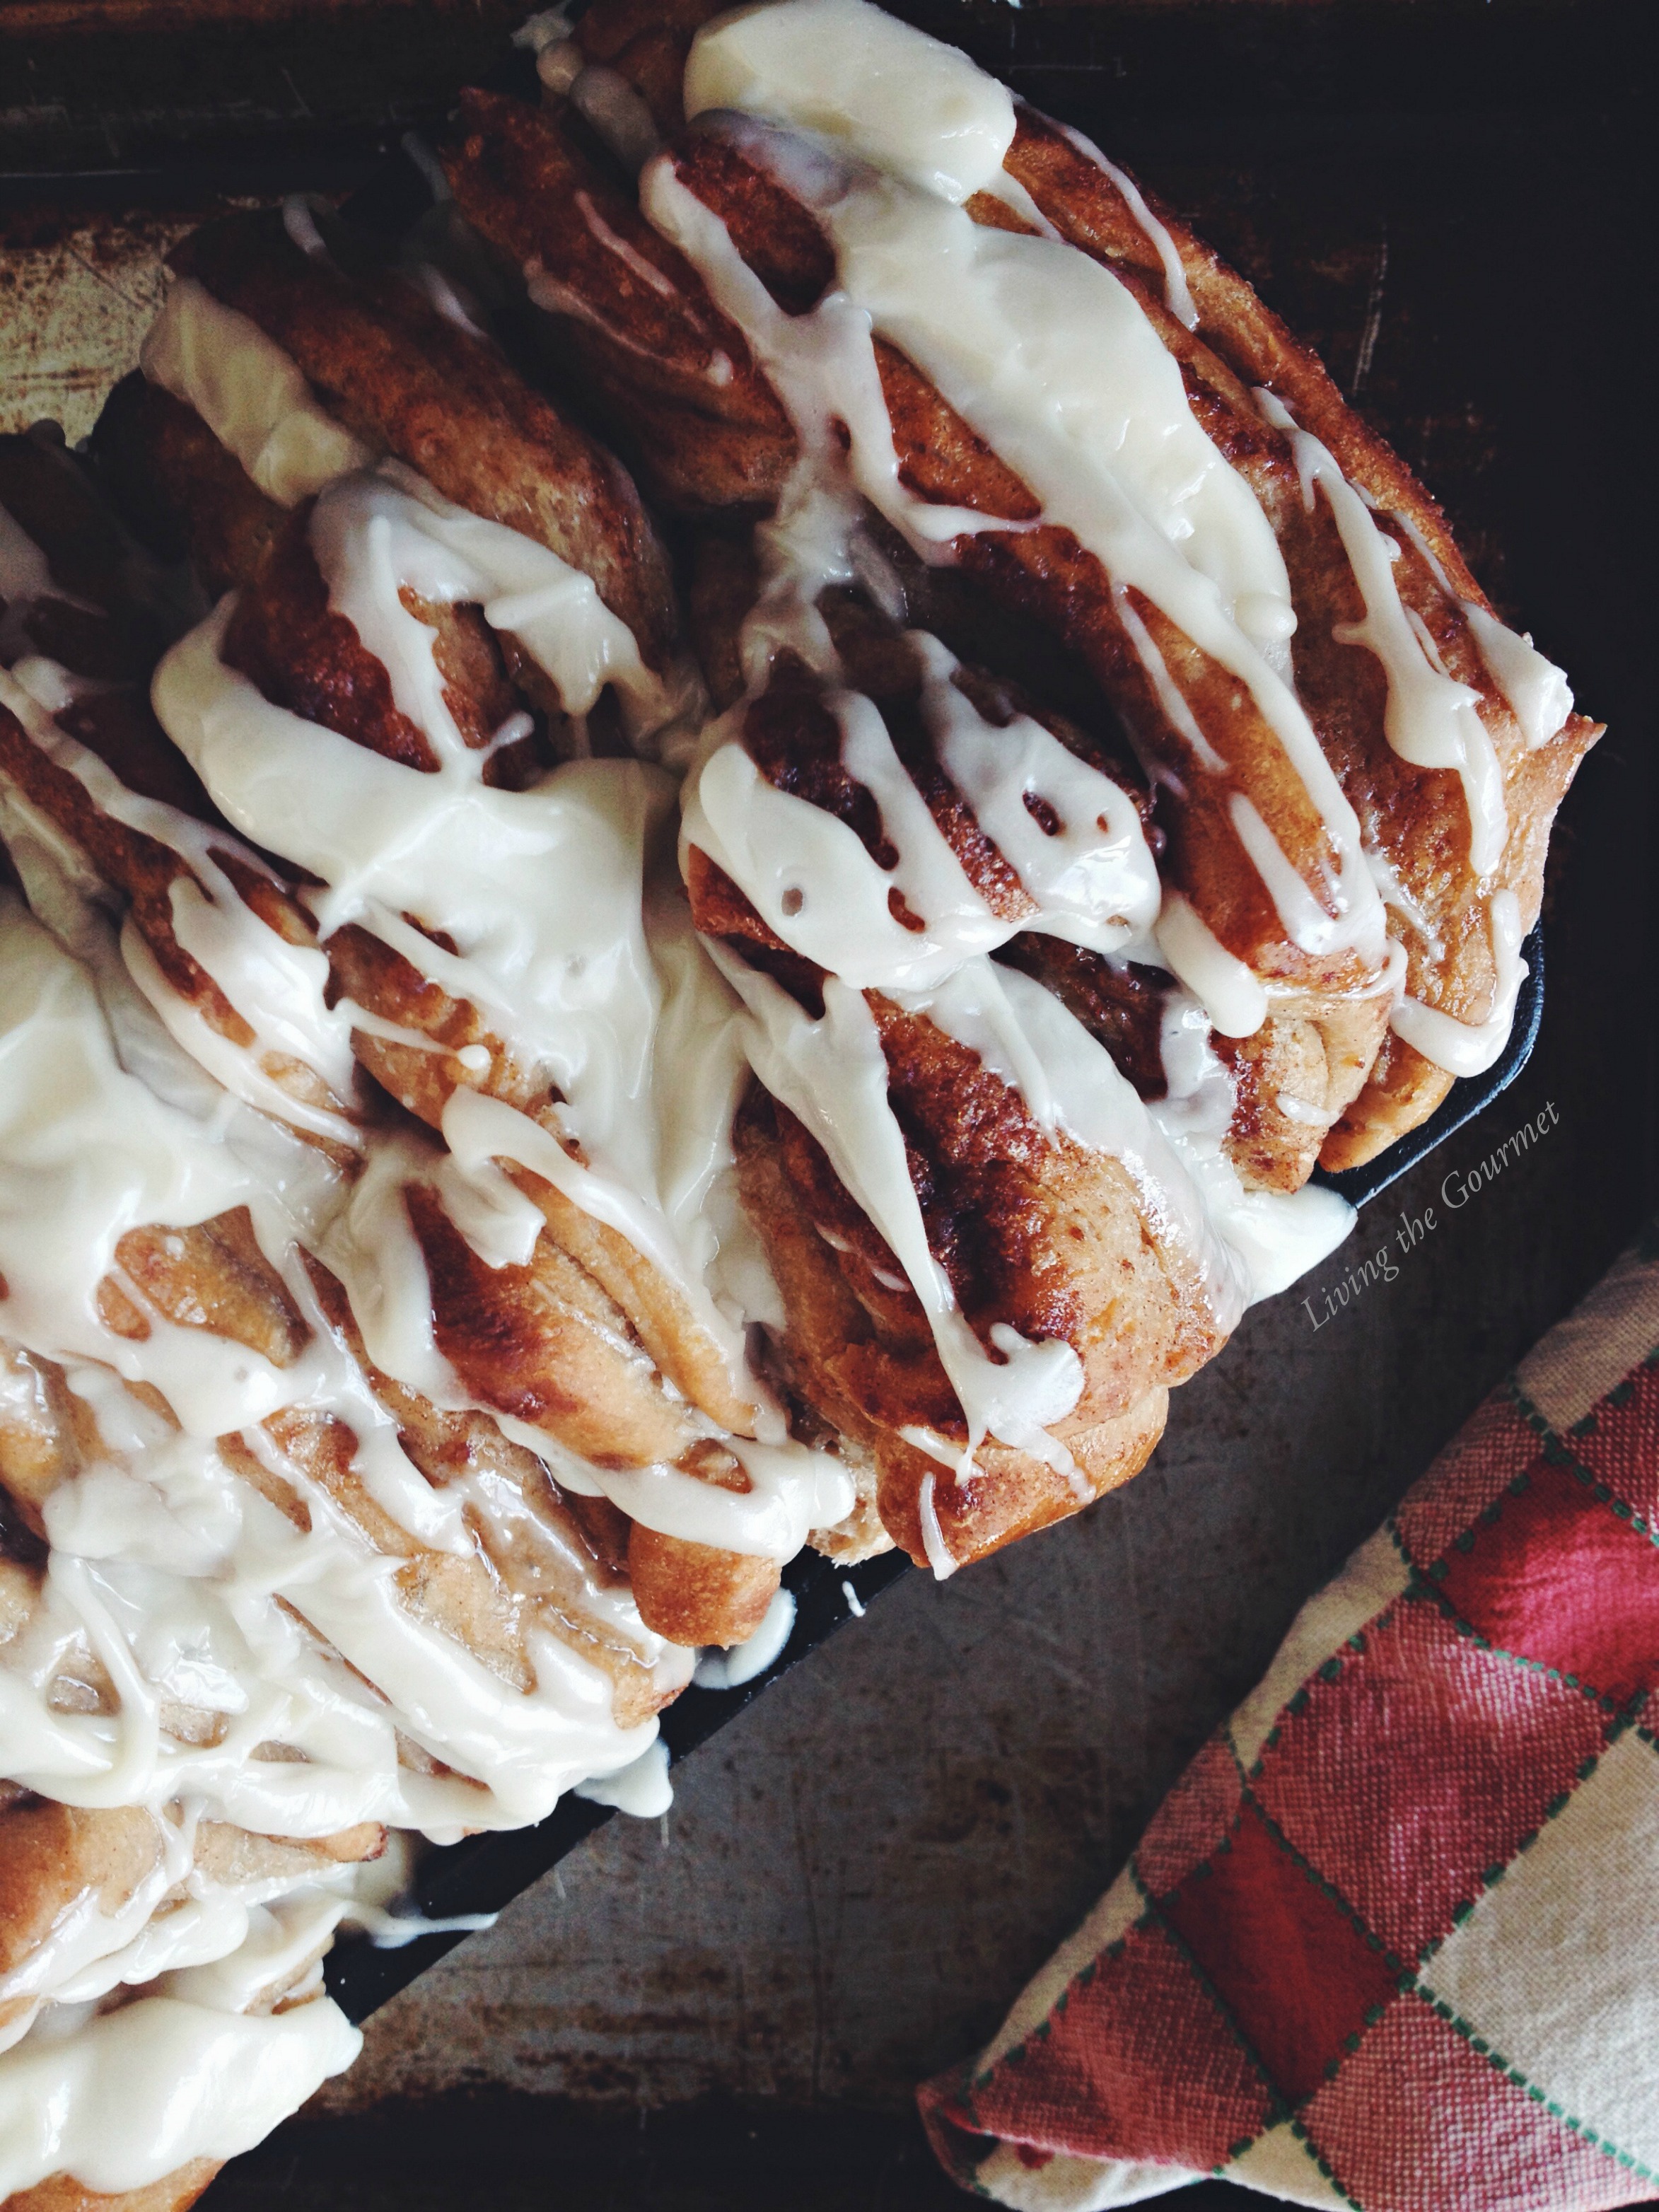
[(1120, 799), (379, 1437), (697, 862)]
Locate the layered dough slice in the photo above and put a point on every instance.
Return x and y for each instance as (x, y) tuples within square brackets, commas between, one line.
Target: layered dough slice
[(389, 696), (1454, 740), (985, 1131), (991, 404), (213, 936), (1450, 739), (259, 1602)]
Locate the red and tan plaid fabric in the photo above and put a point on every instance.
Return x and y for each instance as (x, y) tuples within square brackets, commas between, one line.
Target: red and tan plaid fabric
[(1393, 1940)]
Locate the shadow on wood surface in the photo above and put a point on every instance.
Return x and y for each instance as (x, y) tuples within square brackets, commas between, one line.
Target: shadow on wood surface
[(539, 2154)]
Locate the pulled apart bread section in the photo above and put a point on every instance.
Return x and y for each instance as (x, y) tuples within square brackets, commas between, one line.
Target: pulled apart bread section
[(701, 869), (1120, 797)]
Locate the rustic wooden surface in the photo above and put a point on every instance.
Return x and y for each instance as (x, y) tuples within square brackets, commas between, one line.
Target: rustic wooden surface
[(733, 2009)]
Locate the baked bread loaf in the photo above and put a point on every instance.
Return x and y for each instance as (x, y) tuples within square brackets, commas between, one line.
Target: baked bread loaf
[(703, 868), (260, 1595), (1077, 648)]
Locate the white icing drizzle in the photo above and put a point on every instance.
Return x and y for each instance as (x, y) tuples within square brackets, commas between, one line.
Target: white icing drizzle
[(259, 404), (444, 296), (832, 1075), (791, 1493), (641, 1790), (1431, 720), (616, 112), (276, 988), (636, 262), (1303, 919), (1393, 893), (1271, 1236), (1013, 330), (391, 1931), (1471, 1048), (811, 878), (1177, 293), (548, 27), (1052, 360), (1232, 996), (895, 97), (138, 2093), (1435, 722), (559, 63), (541, 891), (186, 1584), (177, 1551), (939, 1559), (249, 392), (1093, 879), (1171, 698), (1537, 691), (300, 221), (729, 1670), (1298, 1109), (372, 535), (181, 1581), (588, 978)]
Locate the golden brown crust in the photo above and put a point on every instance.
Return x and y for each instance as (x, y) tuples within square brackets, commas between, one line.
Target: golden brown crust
[(51, 1855), (287, 639), (1030, 1230), (1295, 1079), (1033, 1230), (545, 1344), (178, 487), (213, 1276), (669, 376), (694, 1593), (383, 982), (858, 1348), (589, 1340), (407, 382), (1056, 583), (145, 871), (174, 2192), (555, 1545), (1049, 579), (1418, 817), (1121, 1003), (1011, 1495)]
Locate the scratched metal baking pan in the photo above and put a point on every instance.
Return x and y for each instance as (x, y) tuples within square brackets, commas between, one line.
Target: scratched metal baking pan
[(1072, 61)]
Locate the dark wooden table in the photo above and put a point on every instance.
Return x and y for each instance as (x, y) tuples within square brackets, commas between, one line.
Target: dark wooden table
[(732, 2010)]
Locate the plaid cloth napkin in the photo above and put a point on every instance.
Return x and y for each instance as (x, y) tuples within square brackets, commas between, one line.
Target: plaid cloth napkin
[(1392, 1941)]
